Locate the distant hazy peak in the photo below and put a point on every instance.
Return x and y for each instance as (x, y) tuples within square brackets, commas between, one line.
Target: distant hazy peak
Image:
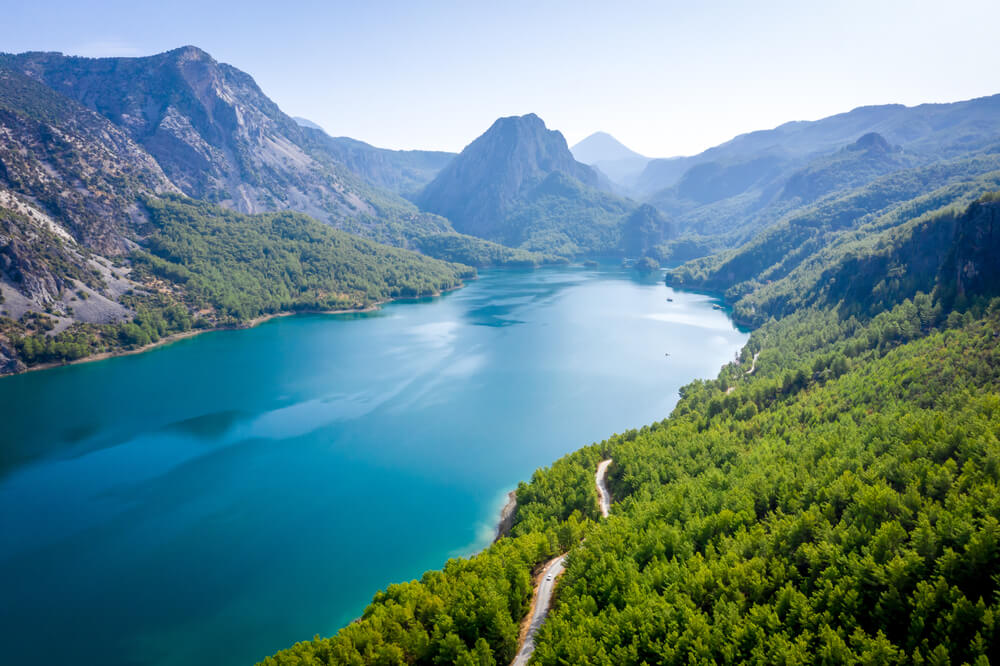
[(602, 147)]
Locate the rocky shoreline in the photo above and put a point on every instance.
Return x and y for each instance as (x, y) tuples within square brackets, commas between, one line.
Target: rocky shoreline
[(506, 516)]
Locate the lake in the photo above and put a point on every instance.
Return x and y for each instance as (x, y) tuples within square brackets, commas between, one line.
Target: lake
[(219, 498)]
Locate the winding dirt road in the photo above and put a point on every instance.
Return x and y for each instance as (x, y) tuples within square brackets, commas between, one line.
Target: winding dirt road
[(550, 576), (601, 478), (753, 366)]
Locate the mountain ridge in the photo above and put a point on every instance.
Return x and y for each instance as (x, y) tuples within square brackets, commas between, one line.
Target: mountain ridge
[(899, 124)]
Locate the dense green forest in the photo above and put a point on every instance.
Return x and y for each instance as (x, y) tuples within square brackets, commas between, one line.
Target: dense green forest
[(839, 504), (208, 267), (473, 251), (784, 267), (562, 216), (244, 266)]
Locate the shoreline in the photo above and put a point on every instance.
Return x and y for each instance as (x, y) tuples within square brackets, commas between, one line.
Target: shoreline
[(251, 323), (506, 521)]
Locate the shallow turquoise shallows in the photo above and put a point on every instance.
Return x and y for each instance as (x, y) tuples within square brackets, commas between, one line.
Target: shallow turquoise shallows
[(219, 498)]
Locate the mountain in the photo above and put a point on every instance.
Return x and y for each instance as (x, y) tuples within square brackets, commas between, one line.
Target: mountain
[(602, 147), (726, 195), (934, 130), (770, 274), (644, 230), (71, 191), (618, 162), (218, 137), (215, 136), (518, 184), (102, 250), (404, 172), (861, 162), (210, 128), (72, 163)]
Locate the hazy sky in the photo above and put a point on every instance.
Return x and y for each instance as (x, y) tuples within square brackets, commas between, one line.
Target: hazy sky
[(666, 78)]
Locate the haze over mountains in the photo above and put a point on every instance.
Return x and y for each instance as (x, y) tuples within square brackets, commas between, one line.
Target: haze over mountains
[(90, 141), (618, 162)]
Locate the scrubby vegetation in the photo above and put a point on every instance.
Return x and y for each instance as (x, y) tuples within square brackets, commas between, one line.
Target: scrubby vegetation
[(481, 253)]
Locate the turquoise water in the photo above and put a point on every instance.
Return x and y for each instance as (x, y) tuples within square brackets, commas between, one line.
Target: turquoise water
[(219, 498)]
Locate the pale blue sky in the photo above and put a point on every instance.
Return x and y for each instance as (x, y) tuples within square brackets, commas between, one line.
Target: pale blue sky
[(666, 78)]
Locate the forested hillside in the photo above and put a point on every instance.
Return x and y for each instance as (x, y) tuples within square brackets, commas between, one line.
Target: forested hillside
[(837, 504), (724, 196), (203, 266), (833, 253)]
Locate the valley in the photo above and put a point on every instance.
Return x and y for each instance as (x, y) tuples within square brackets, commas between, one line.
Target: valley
[(779, 357), (214, 459)]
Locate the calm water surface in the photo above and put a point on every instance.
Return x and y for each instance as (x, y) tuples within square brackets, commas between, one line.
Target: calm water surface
[(219, 498)]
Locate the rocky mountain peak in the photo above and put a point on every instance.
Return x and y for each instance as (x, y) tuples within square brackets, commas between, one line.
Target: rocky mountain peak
[(189, 53), (515, 154)]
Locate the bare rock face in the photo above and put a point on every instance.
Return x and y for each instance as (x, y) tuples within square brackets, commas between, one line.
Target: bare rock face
[(70, 186), (71, 164), (26, 270), (210, 128), (9, 363), (507, 515), (972, 263)]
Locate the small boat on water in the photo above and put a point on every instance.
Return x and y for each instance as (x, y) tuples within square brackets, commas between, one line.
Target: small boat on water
[(716, 306), (670, 300)]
